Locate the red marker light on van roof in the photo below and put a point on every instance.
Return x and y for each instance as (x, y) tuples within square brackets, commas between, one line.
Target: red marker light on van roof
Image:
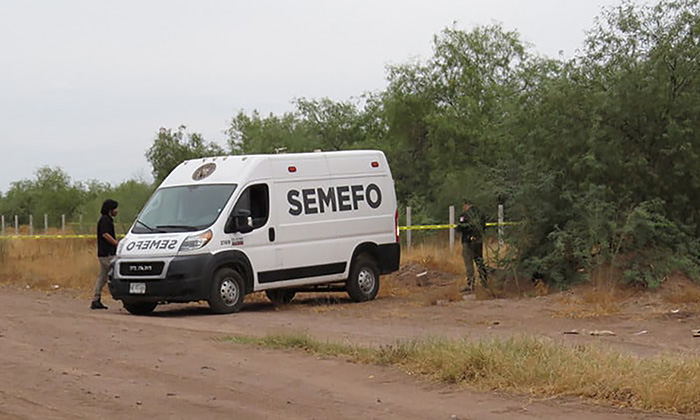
[(292, 169), (375, 164)]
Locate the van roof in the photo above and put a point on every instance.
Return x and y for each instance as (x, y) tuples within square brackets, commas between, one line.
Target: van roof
[(243, 168)]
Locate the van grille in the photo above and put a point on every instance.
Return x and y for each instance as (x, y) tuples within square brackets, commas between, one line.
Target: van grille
[(141, 268)]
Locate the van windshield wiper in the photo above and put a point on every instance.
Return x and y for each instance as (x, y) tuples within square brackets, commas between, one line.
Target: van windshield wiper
[(148, 227), (183, 227)]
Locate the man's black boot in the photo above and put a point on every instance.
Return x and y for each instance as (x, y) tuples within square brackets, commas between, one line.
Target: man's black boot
[(96, 304)]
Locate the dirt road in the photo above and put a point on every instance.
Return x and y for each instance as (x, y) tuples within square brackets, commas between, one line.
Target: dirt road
[(60, 360)]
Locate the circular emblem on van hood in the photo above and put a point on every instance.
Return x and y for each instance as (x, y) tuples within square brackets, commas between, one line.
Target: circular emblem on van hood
[(204, 171)]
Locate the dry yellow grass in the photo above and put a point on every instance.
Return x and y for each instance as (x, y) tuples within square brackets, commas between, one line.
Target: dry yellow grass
[(689, 297), (679, 290), (43, 263), (72, 263), (437, 296), (392, 287), (438, 256), (527, 365), (603, 296), (435, 257), (590, 305), (46, 263)]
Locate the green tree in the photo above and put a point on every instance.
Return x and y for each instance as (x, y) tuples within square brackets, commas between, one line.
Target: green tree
[(320, 124), (610, 141), (446, 117), (332, 125), (597, 156), (50, 192), (251, 134), (131, 196), (170, 148)]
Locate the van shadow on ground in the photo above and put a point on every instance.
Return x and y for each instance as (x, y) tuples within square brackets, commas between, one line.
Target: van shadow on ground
[(256, 305)]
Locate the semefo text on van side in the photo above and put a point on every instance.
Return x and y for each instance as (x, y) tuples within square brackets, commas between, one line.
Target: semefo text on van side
[(153, 244), (341, 198)]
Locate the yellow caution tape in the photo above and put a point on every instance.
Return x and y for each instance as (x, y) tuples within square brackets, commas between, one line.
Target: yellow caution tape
[(52, 236), (435, 227), (426, 227), (417, 227)]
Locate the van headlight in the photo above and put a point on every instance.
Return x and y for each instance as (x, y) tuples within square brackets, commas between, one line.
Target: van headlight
[(120, 246), (195, 242)]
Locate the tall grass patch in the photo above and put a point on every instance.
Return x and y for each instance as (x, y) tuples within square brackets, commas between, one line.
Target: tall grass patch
[(436, 255), (47, 263), (603, 295), (527, 365)]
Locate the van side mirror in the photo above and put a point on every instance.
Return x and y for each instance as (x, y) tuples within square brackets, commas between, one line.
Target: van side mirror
[(240, 221)]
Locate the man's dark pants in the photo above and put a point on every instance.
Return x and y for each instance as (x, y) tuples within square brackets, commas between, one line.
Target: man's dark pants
[(472, 252)]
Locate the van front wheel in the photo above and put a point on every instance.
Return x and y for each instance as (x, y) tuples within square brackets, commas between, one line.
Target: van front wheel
[(140, 308), (227, 292), (363, 283)]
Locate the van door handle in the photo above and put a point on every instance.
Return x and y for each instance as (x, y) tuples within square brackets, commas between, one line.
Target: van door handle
[(271, 234)]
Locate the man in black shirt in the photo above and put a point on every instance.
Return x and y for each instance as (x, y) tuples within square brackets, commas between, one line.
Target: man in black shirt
[(106, 248), (472, 223)]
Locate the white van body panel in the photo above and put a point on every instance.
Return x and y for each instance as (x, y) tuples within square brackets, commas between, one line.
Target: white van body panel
[(321, 208)]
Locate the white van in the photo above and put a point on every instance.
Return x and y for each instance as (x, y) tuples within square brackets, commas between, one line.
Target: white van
[(220, 228)]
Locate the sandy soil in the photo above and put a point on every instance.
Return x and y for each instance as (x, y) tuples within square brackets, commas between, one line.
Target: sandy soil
[(58, 359)]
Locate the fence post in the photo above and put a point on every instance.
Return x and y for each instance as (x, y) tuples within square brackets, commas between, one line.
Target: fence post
[(46, 224), (16, 225), (63, 223), (31, 224), (80, 224), (3, 224), (408, 225), (452, 229), (500, 224)]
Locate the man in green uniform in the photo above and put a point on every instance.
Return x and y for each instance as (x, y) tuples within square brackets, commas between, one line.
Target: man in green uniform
[(472, 223)]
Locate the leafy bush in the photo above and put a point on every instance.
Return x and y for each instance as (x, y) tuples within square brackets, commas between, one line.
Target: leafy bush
[(597, 157)]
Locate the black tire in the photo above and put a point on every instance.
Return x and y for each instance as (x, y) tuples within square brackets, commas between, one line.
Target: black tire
[(227, 292), (280, 296), (363, 284), (140, 308)]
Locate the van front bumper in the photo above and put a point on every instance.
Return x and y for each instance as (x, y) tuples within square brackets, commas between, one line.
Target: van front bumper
[(187, 279)]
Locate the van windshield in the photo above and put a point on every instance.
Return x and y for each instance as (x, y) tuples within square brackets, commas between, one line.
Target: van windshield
[(182, 209)]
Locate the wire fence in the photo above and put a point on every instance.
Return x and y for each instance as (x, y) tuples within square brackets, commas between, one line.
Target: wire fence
[(48, 226), (16, 227), (417, 230)]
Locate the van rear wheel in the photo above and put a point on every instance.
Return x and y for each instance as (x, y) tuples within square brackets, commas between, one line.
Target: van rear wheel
[(227, 292), (363, 284), (280, 296)]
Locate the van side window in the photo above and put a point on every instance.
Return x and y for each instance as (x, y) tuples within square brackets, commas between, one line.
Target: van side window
[(255, 199)]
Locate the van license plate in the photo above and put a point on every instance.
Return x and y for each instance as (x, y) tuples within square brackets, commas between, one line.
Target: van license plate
[(137, 288)]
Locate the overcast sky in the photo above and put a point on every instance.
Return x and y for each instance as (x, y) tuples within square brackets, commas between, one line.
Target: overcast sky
[(85, 85)]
